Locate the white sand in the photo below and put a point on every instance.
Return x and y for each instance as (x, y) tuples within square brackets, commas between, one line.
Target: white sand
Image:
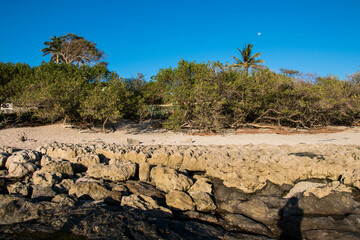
[(38, 136)]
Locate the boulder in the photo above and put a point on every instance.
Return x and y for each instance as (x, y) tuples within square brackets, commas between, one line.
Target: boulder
[(3, 158), (45, 178), (115, 172), (24, 156), (20, 169), (167, 179), (63, 199), (113, 198), (64, 186), (179, 200), (144, 172), (201, 185), (238, 222), (15, 209), (140, 188), (42, 193), (254, 209), (320, 190), (93, 190), (143, 202), (203, 201), (336, 203), (19, 189), (63, 167)]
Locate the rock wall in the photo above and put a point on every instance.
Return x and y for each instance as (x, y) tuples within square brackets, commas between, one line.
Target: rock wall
[(182, 192)]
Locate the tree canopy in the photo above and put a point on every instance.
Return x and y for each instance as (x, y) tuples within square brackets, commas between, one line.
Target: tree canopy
[(71, 49), (248, 60)]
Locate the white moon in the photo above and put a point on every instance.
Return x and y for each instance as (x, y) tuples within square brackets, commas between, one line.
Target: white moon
[(259, 33)]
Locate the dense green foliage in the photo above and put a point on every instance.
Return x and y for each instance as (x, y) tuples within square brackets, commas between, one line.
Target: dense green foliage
[(209, 96)]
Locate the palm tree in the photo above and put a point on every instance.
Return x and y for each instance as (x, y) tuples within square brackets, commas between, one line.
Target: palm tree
[(248, 61), (54, 48)]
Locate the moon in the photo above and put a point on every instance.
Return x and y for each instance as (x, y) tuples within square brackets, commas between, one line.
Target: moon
[(259, 33)]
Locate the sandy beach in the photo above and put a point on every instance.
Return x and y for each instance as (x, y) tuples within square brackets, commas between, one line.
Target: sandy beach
[(39, 136)]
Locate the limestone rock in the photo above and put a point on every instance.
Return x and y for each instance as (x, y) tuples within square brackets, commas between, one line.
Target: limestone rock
[(336, 203), (201, 185), (203, 201), (119, 172), (3, 158), (16, 210), (63, 167), (113, 198), (142, 202), (21, 169), (42, 193), (24, 156), (144, 172), (140, 188), (241, 223), (93, 190), (63, 199), (45, 178), (168, 179), (320, 190), (179, 200), (19, 189), (64, 186)]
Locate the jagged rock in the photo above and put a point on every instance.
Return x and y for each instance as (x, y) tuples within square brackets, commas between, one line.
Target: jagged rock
[(3, 173), (45, 178), (201, 185), (167, 179), (63, 167), (63, 199), (120, 187), (119, 172), (19, 189), (203, 201), (16, 210), (143, 202), (42, 193), (144, 172), (336, 203), (64, 186), (139, 188), (24, 156), (254, 209), (93, 190), (19, 170), (238, 222), (113, 198), (179, 200), (320, 190), (3, 158), (194, 163)]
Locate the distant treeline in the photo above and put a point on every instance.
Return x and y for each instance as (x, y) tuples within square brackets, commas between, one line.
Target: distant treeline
[(209, 96)]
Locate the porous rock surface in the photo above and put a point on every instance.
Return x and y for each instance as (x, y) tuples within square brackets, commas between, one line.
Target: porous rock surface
[(180, 192)]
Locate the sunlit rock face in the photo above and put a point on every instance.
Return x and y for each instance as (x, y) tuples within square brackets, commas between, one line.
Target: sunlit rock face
[(181, 192)]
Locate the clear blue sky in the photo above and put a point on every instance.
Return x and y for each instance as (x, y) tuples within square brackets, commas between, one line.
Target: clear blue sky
[(314, 36)]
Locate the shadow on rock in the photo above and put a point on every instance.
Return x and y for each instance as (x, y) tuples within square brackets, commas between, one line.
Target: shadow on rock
[(290, 220)]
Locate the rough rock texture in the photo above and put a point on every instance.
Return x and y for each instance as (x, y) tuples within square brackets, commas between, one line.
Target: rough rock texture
[(115, 172), (167, 179), (180, 200), (93, 190), (180, 192)]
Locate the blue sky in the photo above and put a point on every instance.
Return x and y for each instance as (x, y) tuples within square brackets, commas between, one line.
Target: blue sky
[(313, 36)]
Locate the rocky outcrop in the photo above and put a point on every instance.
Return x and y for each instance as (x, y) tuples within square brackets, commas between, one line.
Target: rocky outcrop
[(167, 179), (181, 192), (115, 172)]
